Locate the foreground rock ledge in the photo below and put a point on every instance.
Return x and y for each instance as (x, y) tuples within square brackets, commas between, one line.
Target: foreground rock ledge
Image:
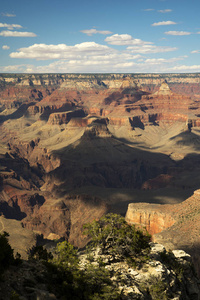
[(134, 283)]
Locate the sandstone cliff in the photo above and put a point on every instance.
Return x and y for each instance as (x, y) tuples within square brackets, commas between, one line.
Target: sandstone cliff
[(74, 146), (175, 226)]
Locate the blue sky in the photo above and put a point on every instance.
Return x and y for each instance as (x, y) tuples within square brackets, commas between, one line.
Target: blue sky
[(107, 36)]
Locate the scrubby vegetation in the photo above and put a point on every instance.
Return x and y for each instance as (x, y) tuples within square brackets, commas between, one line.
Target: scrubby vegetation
[(107, 269), (70, 279), (116, 237)]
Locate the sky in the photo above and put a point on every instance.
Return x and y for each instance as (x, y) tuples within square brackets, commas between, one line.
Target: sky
[(107, 36)]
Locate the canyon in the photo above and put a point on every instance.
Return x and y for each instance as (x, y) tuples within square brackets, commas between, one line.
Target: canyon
[(76, 146)]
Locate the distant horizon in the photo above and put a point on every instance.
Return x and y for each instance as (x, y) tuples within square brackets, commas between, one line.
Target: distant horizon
[(99, 73), (157, 36)]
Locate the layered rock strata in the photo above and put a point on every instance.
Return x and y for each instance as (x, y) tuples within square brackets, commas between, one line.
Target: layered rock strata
[(67, 140), (175, 226)]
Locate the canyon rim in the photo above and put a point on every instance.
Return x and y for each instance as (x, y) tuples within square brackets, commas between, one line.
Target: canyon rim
[(76, 146)]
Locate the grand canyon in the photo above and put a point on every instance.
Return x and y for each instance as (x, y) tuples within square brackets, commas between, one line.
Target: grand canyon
[(76, 146)]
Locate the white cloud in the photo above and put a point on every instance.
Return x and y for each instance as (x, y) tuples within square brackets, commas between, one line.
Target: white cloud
[(177, 33), (164, 10), (92, 57), (149, 9), (5, 47), (8, 15), (107, 66), (14, 68), (62, 51), (114, 62), (17, 34), (147, 49), (185, 68), (90, 32), (124, 39), (163, 60), (195, 51), (10, 26), (163, 23)]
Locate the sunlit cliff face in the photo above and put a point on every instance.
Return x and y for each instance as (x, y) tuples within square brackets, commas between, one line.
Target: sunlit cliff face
[(111, 138)]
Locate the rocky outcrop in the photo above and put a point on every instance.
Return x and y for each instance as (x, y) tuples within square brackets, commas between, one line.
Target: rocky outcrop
[(65, 117), (165, 275), (60, 219), (164, 99), (175, 226), (44, 110), (151, 216), (50, 220)]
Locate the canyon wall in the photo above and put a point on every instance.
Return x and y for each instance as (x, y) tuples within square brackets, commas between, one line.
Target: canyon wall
[(75, 146)]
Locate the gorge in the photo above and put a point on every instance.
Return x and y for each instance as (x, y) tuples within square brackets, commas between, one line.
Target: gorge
[(76, 146)]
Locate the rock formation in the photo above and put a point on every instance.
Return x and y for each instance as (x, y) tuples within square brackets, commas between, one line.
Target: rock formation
[(175, 226), (74, 146), (164, 275)]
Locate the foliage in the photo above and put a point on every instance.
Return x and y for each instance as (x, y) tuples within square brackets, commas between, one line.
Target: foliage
[(39, 253), (66, 256), (14, 296), (98, 285), (155, 289), (172, 263), (117, 238), (6, 252), (70, 282)]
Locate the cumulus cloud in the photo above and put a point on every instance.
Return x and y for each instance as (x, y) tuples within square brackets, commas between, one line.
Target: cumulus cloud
[(14, 68), (17, 34), (90, 32), (195, 51), (185, 68), (61, 51), (8, 15), (113, 62), (147, 49), (5, 47), (178, 33), (163, 60), (124, 39), (164, 11), (163, 23), (92, 57), (10, 26)]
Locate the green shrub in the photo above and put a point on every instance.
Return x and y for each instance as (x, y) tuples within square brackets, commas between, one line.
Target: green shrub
[(157, 290), (68, 281), (154, 289), (98, 285), (66, 256), (116, 237), (39, 252), (172, 263)]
